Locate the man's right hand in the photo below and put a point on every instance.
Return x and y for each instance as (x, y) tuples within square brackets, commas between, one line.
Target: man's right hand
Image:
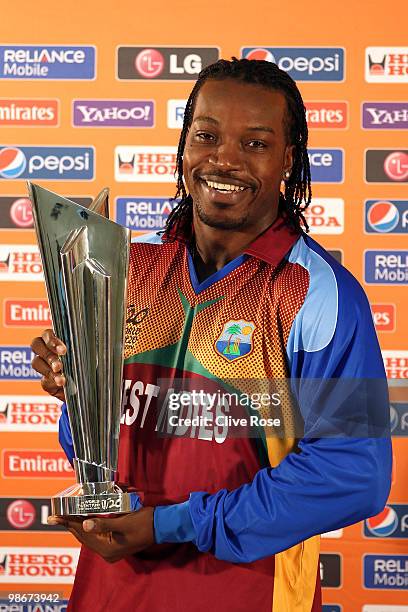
[(48, 349)]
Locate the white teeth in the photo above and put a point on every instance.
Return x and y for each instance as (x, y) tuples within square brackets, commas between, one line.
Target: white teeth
[(224, 186)]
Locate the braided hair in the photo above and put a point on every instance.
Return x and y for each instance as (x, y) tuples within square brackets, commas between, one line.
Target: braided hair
[(298, 193)]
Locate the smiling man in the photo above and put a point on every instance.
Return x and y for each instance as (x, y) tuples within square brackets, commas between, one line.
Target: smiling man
[(235, 293)]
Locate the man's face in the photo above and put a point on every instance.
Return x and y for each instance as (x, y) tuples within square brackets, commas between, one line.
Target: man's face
[(236, 154)]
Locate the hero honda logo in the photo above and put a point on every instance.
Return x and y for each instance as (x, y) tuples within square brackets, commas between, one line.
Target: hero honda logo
[(396, 364), (303, 63), (145, 164), (386, 267), (164, 63), (47, 62), (38, 565), (29, 413), (47, 163), (386, 64), (391, 522), (325, 216), (20, 262)]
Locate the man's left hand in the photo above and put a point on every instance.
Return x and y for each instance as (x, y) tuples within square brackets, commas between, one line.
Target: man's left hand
[(112, 538)]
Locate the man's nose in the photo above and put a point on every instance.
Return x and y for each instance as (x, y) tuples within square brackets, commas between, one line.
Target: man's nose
[(227, 156)]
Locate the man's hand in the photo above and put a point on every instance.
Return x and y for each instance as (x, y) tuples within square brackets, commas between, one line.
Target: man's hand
[(47, 362), (112, 538)]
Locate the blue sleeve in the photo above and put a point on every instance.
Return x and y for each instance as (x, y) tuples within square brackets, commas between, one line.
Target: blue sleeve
[(335, 479), (64, 434)]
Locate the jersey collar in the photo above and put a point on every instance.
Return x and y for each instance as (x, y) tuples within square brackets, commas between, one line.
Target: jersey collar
[(271, 246), (274, 243)]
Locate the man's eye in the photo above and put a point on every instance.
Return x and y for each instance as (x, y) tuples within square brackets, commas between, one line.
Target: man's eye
[(256, 144), (204, 136)]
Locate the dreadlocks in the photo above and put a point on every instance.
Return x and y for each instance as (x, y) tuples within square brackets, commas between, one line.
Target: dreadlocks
[(298, 192)]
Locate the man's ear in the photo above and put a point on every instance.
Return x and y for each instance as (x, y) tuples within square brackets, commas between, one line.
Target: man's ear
[(288, 158)]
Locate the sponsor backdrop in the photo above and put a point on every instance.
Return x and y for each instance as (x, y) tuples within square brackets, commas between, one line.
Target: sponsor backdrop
[(103, 107)]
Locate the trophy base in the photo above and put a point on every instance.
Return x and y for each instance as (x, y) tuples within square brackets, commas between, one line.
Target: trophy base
[(73, 502)]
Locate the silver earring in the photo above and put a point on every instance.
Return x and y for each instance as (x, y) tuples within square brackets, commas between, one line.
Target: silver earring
[(286, 174)]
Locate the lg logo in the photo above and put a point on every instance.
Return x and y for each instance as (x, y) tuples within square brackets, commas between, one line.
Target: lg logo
[(164, 63)]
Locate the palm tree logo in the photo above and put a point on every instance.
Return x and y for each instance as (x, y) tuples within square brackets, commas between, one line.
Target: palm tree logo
[(235, 340)]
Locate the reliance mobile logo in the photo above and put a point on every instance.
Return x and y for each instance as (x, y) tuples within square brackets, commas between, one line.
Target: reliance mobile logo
[(47, 163), (20, 263), (27, 413), (385, 115), (47, 62), (175, 113), (326, 115), (40, 463), (392, 522), (386, 64), (29, 513), (386, 267), (113, 113), (396, 364), (15, 363), (386, 216), (32, 312), (326, 165), (303, 63), (53, 604), (325, 216), (143, 214), (29, 112), (386, 571), (38, 564), (164, 63), (145, 164), (383, 317)]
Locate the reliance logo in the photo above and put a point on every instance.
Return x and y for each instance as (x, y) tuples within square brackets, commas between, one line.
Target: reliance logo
[(47, 62)]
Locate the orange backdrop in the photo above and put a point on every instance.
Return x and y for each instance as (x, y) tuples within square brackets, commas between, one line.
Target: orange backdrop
[(31, 464)]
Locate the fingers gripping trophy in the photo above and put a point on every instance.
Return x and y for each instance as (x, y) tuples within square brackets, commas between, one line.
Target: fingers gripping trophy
[(85, 259)]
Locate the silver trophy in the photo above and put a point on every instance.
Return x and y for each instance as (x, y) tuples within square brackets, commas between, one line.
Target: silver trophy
[(85, 258)]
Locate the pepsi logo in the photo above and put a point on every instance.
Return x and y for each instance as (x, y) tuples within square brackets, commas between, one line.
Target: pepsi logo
[(21, 514), (396, 166), (21, 213), (383, 216), (149, 63), (384, 523), (261, 54), (12, 162), (394, 419)]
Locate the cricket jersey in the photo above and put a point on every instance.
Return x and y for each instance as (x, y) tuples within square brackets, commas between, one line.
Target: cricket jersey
[(242, 488)]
